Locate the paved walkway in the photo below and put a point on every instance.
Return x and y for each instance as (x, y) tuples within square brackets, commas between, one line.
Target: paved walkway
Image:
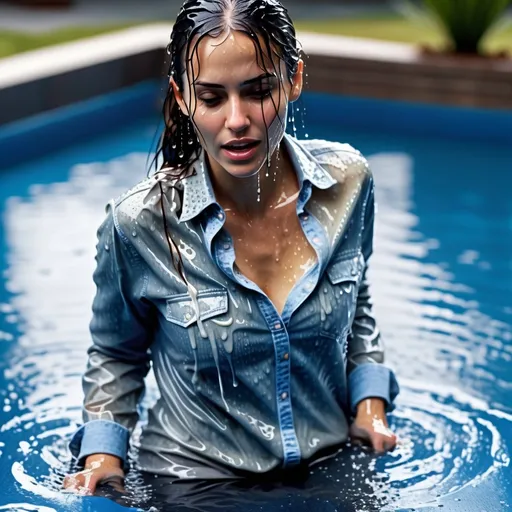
[(102, 12)]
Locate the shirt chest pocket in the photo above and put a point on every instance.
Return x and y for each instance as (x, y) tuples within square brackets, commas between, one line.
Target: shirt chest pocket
[(338, 299), (199, 344), (181, 310)]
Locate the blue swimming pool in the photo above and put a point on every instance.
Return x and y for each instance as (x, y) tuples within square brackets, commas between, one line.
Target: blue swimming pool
[(442, 282)]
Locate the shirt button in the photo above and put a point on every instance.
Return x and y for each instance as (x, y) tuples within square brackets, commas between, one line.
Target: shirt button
[(286, 356), (284, 396), (277, 325)]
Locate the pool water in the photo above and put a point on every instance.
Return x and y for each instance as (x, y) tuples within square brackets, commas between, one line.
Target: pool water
[(441, 276)]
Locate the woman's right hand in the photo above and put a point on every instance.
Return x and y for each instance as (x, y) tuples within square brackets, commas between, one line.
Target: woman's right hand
[(99, 468)]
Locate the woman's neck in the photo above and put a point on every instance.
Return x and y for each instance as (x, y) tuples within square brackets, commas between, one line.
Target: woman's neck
[(242, 196)]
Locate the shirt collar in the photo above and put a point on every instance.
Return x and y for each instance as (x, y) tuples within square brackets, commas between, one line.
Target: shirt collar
[(306, 165), (198, 192)]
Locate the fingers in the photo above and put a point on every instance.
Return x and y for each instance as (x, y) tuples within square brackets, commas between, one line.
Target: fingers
[(380, 440), (86, 482), (390, 444), (114, 481), (83, 482), (359, 435), (383, 443), (71, 483)]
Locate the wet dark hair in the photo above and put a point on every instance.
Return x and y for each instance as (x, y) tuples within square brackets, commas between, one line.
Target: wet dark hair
[(266, 22), (270, 28)]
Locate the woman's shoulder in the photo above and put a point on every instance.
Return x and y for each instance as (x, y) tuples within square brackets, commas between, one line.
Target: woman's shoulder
[(143, 195), (131, 202), (129, 209), (340, 159)]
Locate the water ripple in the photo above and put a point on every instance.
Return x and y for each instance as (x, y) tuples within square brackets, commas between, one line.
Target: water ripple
[(437, 329), (448, 441)]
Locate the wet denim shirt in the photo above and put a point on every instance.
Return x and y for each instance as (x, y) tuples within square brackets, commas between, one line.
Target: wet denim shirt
[(243, 389)]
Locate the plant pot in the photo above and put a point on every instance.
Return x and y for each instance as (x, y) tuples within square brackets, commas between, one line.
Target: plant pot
[(448, 57)]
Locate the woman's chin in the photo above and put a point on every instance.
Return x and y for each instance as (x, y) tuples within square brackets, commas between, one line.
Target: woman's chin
[(243, 170)]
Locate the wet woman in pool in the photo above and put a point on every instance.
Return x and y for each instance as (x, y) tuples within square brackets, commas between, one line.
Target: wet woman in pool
[(238, 271)]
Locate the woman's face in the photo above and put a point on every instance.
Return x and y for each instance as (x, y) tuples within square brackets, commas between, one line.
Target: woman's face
[(236, 105)]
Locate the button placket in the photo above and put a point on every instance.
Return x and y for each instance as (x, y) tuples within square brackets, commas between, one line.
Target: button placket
[(281, 342)]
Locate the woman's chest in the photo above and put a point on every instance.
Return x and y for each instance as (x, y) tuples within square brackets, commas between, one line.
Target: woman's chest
[(226, 323), (274, 256), (228, 327)]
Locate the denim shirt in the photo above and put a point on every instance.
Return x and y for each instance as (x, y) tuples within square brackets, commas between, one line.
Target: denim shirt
[(243, 389)]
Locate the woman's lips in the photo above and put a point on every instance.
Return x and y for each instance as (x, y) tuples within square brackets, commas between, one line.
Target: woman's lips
[(241, 153)]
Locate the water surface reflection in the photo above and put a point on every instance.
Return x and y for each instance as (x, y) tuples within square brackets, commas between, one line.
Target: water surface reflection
[(447, 349)]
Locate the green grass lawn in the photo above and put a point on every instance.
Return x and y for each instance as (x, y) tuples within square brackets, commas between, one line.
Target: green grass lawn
[(396, 28), (393, 28), (12, 42)]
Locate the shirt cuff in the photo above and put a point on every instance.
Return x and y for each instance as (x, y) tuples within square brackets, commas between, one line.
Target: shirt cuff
[(372, 381), (100, 436)]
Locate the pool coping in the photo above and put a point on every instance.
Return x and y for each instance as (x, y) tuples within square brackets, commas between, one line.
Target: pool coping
[(52, 77), (72, 56)]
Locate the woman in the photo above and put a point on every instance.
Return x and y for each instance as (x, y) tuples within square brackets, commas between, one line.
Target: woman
[(239, 272)]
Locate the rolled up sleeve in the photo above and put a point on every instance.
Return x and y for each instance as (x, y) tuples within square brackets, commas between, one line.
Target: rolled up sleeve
[(100, 436), (372, 381)]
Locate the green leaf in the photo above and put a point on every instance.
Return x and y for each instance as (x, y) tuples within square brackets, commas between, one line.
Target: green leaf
[(466, 22)]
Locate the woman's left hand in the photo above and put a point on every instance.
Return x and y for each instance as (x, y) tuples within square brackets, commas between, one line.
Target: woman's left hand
[(370, 426)]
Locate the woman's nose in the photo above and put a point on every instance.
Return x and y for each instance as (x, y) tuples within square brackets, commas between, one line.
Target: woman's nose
[(236, 118)]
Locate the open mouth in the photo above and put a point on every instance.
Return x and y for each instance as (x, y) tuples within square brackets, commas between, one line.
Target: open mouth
[(240, 150), (241, 146)]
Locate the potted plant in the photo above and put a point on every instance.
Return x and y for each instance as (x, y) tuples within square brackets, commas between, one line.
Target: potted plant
[(464, 23)]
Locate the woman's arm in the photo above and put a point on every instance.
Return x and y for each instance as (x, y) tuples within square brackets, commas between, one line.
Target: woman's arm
[(118, 358), (372, 386)]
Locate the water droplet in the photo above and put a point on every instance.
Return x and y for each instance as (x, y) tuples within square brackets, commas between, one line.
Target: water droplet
[(181, 154), (107, 248), (134, 233)]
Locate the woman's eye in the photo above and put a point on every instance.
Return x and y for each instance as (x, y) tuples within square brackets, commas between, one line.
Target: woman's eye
[(263, 93), (210, 101)]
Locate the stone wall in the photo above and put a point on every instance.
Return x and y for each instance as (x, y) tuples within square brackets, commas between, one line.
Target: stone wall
[(427, 79)]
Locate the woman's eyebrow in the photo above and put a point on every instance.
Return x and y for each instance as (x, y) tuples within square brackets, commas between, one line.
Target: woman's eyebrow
[(247, 82)]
